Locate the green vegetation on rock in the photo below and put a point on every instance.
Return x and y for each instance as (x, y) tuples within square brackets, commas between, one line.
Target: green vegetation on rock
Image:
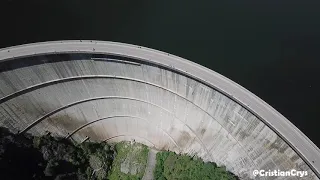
[(130, 161), (100, 156), (50, 158), (172, 166), (85, 161)]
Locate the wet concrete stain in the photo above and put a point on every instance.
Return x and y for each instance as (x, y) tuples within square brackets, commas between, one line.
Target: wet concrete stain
[(278, 145), (203, 130), (243, 135), (184, 139), (65, 121), (200, 132), (89, 132), (165, 147), (294, 158)]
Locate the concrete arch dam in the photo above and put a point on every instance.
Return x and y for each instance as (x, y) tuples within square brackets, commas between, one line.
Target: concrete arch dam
[(106, 91)]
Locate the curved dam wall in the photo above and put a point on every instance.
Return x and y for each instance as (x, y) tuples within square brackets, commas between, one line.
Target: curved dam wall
[(104, 91)]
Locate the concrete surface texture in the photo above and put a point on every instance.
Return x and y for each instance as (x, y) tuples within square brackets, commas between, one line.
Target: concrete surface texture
[(152, 155), (103, 91)]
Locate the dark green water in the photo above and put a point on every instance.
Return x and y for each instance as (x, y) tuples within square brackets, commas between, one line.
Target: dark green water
[(272, 47)]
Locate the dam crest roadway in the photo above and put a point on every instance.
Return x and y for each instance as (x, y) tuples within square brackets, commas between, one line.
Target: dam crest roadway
[(107, 91)]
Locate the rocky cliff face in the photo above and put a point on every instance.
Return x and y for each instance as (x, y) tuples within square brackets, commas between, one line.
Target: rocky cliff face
[(46, 157)]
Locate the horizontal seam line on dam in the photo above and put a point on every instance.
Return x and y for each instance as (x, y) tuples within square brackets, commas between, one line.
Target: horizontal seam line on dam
[(99, 98), (84, 140), (124, 51), (115, 61), (116, 116), (38, 86)]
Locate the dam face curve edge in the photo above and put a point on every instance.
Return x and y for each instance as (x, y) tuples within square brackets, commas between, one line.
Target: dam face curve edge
[(94, 90)]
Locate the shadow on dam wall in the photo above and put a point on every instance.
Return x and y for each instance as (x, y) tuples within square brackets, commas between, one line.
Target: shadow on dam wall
[(63, 124)]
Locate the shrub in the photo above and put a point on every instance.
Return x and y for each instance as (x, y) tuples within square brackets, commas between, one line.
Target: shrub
[(172, 166)]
